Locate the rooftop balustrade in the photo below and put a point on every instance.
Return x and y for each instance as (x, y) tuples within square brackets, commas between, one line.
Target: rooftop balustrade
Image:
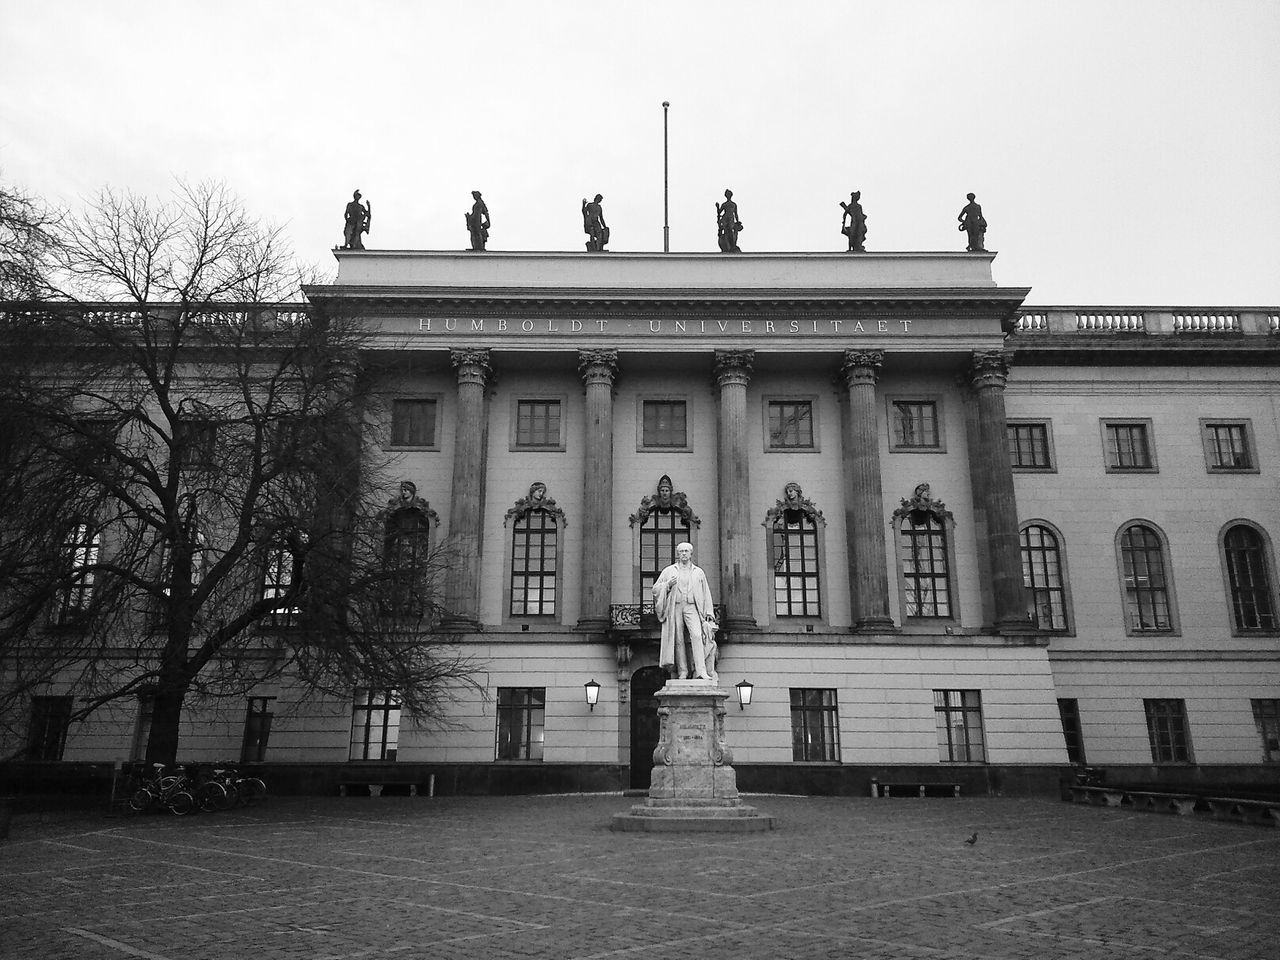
[(1149, 321)]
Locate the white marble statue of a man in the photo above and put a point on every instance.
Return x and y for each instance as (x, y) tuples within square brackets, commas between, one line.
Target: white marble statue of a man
[(682, 601)]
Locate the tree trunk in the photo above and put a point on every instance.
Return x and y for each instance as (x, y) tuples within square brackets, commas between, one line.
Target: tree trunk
[(166, 714)]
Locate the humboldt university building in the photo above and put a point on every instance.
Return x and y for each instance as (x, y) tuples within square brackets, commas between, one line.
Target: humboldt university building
[(950, 537)]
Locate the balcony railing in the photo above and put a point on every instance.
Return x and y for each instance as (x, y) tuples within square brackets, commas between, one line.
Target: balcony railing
[(641, 615), (1148, 321)]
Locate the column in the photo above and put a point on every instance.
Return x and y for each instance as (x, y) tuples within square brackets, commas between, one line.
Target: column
[(599, 370), (865, 518), (989, 373), (466, 508), (733, 372)]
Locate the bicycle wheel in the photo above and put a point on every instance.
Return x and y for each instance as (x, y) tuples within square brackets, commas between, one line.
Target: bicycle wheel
[(252, 791), (142, 800), (211, 796), (180, 803)]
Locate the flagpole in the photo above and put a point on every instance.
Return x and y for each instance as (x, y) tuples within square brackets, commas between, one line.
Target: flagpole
[(666, 225)]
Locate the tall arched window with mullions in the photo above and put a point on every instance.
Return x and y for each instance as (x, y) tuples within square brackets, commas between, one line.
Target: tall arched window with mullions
[(1044, 576), (79, 559), (536, 522), (795, 541), (663, 520), (1145, 579), (926, 585), (409, 525), (1250, 583)]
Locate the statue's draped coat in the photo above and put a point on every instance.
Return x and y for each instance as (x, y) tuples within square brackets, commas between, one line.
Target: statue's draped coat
[(664, 602)]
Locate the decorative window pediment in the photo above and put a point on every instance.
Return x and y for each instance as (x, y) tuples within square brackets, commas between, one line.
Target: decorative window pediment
[(793, 499), (665, 500), (535, 499), (922, 504), (408, 499)]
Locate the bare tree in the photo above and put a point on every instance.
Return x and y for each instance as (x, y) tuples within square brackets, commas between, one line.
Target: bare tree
[(193, 501), (26, 244)]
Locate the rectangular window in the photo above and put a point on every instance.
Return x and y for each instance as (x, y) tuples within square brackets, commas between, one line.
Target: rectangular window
[(1266, 714), (958, 714), (790, 425), (413, 423), (1128, 446), (1029, 446), (50, 718), (915, 425), (538, 424), (664, 424), (1069, 711), (1228, 446), (257, 729), (1167, 729), (522, 714), (375, 725), (815, 725), (196, 443)]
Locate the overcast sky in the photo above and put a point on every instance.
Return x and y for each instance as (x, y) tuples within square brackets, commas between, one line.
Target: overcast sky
[(1125, 152)]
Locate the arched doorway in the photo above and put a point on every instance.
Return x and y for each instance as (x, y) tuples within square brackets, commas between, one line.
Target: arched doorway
[(645, 682)]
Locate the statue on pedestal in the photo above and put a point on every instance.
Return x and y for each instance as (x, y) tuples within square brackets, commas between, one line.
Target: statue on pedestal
[(728, 226), (478, 222), (682, 602), (356, 220), (973, 223), (593, 224), (856, 228)]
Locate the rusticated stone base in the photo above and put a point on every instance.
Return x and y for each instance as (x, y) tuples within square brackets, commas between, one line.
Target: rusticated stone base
[(693, 786)]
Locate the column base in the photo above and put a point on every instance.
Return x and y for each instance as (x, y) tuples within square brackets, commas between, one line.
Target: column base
[(459, 625), (740, 625), (593, 625)]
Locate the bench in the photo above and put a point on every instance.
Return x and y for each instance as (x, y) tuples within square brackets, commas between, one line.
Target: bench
[(1098, 796), (376, 783), (914, 789), (1264, 812), (1180, 803)]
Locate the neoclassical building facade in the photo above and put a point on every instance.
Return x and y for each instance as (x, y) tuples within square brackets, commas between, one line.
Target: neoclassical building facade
[(950, 537)]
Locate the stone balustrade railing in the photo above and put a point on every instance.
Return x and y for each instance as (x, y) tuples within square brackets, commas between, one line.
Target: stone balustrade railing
[(1149, 321)]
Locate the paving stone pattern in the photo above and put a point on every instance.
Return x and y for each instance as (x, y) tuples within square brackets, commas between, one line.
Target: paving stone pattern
[(543, 877)]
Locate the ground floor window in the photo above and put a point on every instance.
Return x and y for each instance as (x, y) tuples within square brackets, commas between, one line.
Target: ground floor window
[(257, 729), (522, 714), (375, 725), (1069, 710), (1167, 729), (815, 726), (50, 718), (1266, 714), (958, 714)]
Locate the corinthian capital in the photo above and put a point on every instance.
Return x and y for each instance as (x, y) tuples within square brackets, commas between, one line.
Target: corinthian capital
[(734, 367), (472, 364), (598, 366), (861, 367), (989, 369)]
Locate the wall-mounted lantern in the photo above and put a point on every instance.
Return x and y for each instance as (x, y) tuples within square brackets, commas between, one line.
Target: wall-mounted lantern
[(744, 693), (593, 693)]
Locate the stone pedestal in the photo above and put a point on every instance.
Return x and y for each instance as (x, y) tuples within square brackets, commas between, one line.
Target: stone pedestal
[(694, 786)]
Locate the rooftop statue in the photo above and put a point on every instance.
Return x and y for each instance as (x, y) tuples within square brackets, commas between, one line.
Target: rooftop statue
[(973, 223), (478, 222), (356, 220), (728, 226), (593, 224), (856, 228)]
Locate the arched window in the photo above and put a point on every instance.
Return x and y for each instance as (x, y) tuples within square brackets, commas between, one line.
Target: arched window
[(1042, 574), (79, 557), (664, 520), (1147, 603), (794, 542), (278, 580), (535, 554), (1248, 579), (924, 555), (409, 523)]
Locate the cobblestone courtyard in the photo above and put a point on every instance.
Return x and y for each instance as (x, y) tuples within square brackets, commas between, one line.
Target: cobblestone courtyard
[(543, 877)]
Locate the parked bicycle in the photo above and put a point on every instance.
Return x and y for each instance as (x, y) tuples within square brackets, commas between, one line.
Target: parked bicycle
[(164, 790), (226, 788)]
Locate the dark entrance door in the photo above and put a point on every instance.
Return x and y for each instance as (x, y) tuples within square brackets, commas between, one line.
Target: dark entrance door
[(645, 682)]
